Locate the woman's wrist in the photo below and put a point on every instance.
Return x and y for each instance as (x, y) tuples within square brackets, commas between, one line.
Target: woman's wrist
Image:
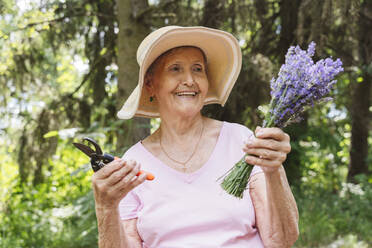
[(274, 178), (271, 170), (106, 209)]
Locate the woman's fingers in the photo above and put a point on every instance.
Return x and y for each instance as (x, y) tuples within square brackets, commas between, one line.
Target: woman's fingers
[(268, 149), (136, 181), (110, 190), (118, 175), (254, 142), (268, 166), (272, 133), (109, 168), (114, 172), (274, 139), (130, 180), (266, 154), (263, 163), (132, 173)]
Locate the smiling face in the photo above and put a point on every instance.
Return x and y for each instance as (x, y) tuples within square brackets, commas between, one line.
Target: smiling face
[(179, 82)]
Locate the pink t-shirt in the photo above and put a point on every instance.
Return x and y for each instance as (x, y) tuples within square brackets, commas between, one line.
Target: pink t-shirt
[(191, 209)]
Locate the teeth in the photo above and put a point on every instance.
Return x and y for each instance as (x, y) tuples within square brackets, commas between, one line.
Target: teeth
[(186, 94)]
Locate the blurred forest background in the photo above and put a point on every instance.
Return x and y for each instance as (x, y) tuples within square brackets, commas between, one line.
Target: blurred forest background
[(67, 66)]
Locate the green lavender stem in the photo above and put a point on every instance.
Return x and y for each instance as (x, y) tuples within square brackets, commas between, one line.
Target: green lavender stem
[(236, 181)]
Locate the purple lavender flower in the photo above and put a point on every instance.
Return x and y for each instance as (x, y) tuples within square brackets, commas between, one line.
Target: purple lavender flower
[(300, 83)]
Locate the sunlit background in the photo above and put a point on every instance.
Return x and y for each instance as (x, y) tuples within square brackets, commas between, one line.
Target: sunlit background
[(67, 66)]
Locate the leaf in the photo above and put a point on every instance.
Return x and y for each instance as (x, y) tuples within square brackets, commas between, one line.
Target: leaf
[(50, 134), (103, 51)]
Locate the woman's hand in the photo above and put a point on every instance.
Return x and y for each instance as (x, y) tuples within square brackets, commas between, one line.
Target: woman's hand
[(269, 148), (114, 181)]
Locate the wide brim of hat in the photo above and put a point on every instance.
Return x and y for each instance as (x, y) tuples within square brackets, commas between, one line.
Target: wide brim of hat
[(223, 61)]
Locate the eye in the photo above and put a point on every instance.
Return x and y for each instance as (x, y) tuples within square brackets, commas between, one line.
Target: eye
[(175, 68), (198, 68)]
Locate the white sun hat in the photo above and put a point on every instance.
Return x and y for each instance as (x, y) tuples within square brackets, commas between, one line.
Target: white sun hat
[(224, 61)]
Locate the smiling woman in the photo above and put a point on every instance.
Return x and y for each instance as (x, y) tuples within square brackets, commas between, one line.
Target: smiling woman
[(181, 70), (179, 79)]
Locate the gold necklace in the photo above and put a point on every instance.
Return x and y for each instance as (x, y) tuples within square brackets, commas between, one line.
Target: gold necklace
[(192, 154)]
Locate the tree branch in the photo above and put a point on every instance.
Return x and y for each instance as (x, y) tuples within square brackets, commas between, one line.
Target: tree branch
[(88, 14)]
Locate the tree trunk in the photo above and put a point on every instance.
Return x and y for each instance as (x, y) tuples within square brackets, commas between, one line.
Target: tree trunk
[(132, 31), (213, 13), (362, 97), (288, 19)]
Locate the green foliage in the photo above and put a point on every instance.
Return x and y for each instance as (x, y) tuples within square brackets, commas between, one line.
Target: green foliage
[(58, 80), (328, 215), (58, 213)]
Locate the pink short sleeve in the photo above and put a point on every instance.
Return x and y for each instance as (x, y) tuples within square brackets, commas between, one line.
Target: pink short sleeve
[(129, 206)]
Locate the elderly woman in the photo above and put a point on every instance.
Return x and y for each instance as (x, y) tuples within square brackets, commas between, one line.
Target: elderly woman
[(181, 70)]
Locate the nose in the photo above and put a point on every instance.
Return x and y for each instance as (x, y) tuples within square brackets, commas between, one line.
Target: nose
[(188, 79)]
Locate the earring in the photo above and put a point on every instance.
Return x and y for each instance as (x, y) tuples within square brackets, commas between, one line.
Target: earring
[(151, 98)]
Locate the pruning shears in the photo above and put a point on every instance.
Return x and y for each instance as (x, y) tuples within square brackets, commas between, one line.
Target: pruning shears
[(98, 159)]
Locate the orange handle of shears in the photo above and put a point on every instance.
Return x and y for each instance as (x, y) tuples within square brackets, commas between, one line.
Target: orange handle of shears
[(149, 176)]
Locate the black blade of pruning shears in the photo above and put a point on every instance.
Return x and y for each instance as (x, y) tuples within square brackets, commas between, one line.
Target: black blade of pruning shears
[(97, 158)]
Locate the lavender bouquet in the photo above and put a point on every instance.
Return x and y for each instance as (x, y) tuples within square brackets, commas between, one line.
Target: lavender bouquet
[(300, 84)]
